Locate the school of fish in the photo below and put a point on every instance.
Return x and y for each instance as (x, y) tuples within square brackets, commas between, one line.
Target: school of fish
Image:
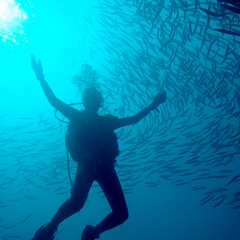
[(190, 49)]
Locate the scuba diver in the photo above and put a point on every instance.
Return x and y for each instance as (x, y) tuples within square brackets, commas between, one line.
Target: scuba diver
[(92, 143)]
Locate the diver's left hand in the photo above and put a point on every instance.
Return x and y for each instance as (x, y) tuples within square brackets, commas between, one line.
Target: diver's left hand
[(160, 98), (37, 67)]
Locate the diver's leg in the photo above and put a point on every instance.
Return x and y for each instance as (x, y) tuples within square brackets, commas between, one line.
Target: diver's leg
[(109, 182), (79, 195)]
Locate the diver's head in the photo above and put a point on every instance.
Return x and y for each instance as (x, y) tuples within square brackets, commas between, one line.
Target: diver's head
[(92, 99)]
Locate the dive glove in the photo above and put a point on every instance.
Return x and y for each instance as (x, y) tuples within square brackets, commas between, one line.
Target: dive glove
[(160, 98), (37, 67)]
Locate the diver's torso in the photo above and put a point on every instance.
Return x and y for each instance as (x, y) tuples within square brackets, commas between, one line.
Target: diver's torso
[(92, 137)]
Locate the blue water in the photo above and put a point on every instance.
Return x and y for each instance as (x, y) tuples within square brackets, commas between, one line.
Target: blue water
[(117, 43)]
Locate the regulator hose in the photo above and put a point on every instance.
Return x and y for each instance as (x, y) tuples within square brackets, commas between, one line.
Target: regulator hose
[(55, 114), (67, 152)]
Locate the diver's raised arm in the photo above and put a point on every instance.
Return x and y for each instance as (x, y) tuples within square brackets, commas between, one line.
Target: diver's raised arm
[(160, 98), (38, 69), (66, 110)]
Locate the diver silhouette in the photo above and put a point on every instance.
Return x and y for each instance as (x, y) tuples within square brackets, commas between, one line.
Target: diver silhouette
[(91, 142)]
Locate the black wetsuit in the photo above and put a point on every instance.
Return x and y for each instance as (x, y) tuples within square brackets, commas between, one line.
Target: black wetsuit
[(93, 143)]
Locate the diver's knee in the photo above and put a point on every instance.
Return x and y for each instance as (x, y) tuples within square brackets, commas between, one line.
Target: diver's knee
[(122, 215), (125, 216), (75, 205)]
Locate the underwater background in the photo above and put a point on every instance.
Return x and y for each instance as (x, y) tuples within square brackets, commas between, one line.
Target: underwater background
[(179, 167)]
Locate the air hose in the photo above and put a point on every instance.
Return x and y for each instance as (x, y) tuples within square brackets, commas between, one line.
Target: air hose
[(67, 152)]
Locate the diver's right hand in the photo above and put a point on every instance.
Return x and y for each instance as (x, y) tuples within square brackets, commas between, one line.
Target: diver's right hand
[(37, 68)]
